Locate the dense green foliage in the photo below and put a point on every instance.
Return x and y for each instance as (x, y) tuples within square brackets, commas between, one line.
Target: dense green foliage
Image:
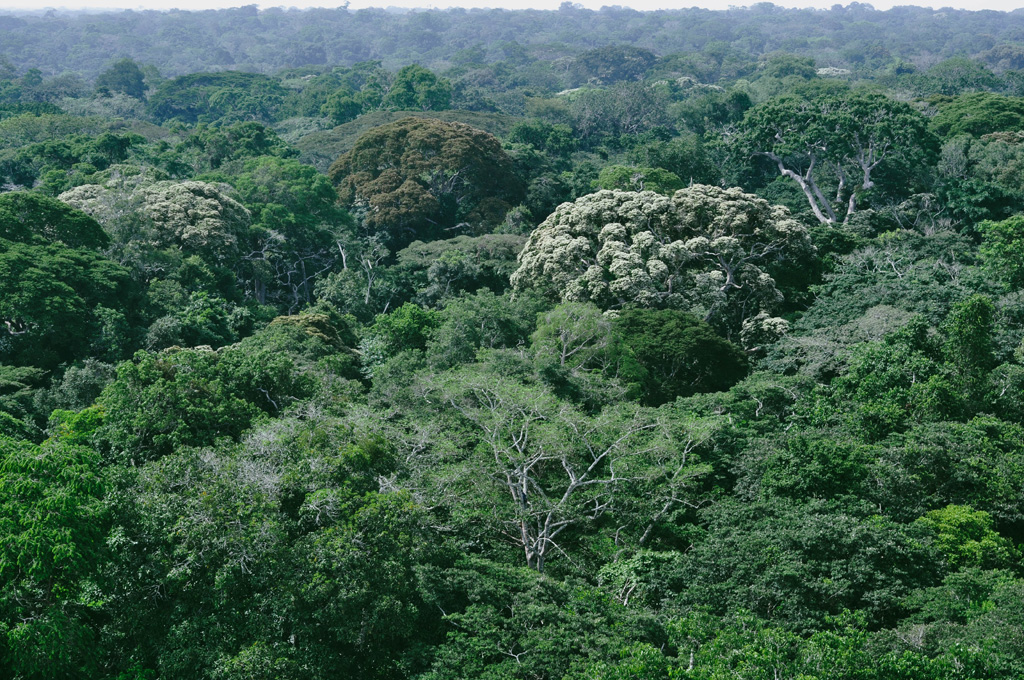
[(417, 179), (562, 345)]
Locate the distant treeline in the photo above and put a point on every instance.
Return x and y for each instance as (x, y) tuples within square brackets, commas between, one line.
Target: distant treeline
[(244, 38)]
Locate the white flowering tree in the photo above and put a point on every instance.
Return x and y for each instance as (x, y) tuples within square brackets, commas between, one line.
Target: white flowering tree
[(196, 217), (706, 250)]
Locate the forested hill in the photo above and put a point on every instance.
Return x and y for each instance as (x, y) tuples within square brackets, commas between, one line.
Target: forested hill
[(246, 39), (512, 345)]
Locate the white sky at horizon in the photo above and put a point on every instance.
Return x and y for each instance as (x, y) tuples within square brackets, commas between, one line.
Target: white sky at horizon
[(96, 5)]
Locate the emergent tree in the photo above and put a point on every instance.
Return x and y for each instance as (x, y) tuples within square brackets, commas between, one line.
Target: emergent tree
[(832, 145), (706, 250), (419, 179)]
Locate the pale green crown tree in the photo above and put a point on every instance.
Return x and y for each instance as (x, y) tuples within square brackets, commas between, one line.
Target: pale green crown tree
[(705, 250), (197, 217)]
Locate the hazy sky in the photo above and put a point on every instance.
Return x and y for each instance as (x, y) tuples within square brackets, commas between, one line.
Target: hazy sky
[(1004, 5)]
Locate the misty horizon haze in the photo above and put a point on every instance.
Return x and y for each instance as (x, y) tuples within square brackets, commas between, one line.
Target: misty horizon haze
[(643, 5)]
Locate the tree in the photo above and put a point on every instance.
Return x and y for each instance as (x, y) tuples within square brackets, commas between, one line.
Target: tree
[(978, 114), (418, 179), (1002, 248), (54, 299), (209, 97), (966, 539), (26, 216), (785, 65), (679, 354), (176, 398), (933, 465), (440, 270), (833, 145), (980, 179), (556, 140), (810, 463), (53, 165), (957, 75), (580, 355), (556, 467), (208, 147), (626, 108), (417, 88), (123, 76), (611, 64), (706, 250), (625, 178), (365, 286), (714, 109), (52, 526), (18, 387), (969, 342), (342, 106), (202, 321), (520, 625), (58, 289), (483, 321), (577, 336), (298, 231), (361, 607), (196, 217), (972, 616), (406, 329), (78, 388), (161, 401), (873, 291), (900, 379), (797, 562), (284, 559), (514, 465)]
